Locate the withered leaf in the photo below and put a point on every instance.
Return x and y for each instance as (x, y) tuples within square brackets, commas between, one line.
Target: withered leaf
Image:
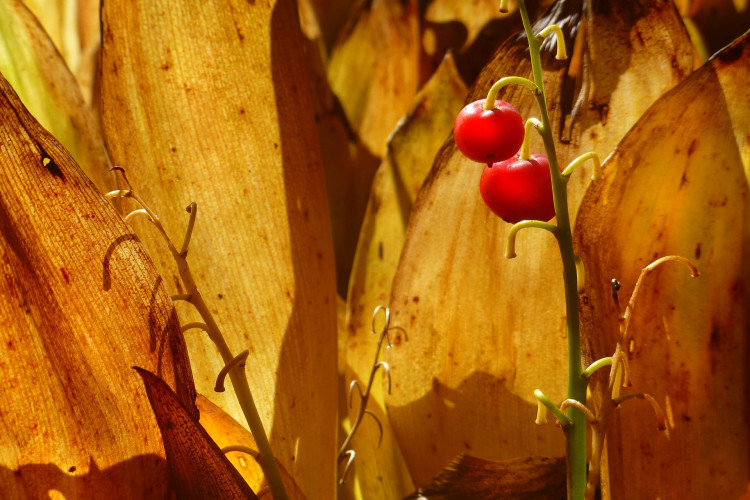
[(531, 478), (80, 303), (206, 103), (37, 72), (676, 185), (348, 165), (473, 15), (225, 431), (484, 332), (198, 468), (410, 152), (374, 68)]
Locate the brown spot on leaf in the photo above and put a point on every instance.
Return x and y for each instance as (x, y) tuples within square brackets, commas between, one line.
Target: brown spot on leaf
[(691, 148)]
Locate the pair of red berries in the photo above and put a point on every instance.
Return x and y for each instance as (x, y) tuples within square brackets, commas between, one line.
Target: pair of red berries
[(513, 188)]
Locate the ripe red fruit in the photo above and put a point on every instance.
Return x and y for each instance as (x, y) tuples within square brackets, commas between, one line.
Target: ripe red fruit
[(488, 135), (517, 189)]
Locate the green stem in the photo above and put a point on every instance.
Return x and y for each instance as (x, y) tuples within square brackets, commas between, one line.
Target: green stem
[(239, 381), (582, 159), (596, 365), (576, 434), (525, 153), (565, 422), (235, 364), (489, 103), (510, 245)]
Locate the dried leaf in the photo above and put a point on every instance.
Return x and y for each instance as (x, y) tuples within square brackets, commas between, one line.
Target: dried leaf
[(411, 148), (332, 15), (59, 19), (528, 478), (474, 15), (80, 303), (719, 21), (37, 72), (374, 68), (484, 332), (226, 431), (676, 185), (206, 103), (198, 468), (349, 167)]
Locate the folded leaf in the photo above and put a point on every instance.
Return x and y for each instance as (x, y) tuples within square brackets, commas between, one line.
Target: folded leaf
[(528, 478), (676, 185), (225, 431), (198, 467), (209, 103), (80, 303), (484, 331)]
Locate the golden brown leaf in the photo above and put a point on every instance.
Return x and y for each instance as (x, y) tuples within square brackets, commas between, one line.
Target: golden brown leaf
[(676, 185), (208, 103), (410, 152), (474, 15), (80, 303), (332, 15), (374, 68), (198, 468), (37, 72), (226, 431), (531, 478), (484, 332), (59, 19), (349, 167), (719, 21)]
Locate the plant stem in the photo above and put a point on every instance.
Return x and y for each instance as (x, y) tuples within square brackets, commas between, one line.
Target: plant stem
[(236, 375), (576, 434), (237, 371)]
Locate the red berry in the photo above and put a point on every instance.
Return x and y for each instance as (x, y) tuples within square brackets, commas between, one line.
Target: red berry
[(488, 135), (517, 189)]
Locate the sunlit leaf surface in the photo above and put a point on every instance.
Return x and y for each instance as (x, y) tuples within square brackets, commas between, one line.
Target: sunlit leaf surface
[(374, 68), (80, 303), (205, 103), (676, 185), (225, 432), (484, 332), (198, 468), (404, 167), (37, 72)]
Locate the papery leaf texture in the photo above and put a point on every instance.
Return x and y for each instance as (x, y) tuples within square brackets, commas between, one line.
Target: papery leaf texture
[(677, 185), (236, 134), (484, 331), (199, 469), (80, 303)]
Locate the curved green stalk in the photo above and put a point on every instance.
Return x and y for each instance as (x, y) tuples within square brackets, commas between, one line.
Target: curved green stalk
[(576, 434), (510, 244), (489, 103), (596, 365), (565, 422)]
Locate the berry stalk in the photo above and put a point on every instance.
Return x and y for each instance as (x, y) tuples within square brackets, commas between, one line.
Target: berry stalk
[(576, 433)]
